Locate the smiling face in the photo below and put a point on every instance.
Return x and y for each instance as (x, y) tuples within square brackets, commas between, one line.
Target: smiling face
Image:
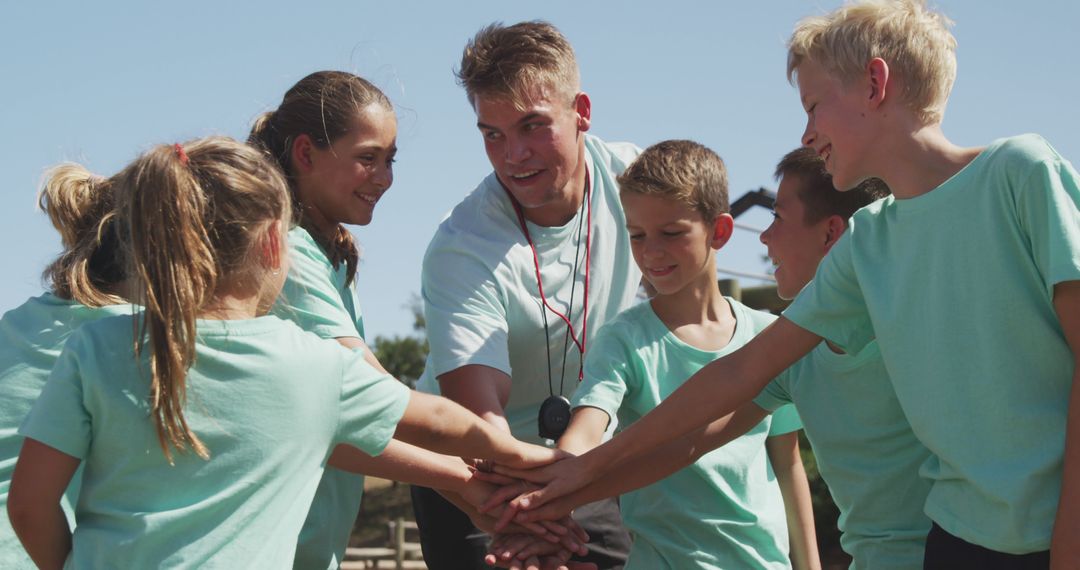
[(538, 150), (795, 246), (835, 123), (671, 242), (346, 179)]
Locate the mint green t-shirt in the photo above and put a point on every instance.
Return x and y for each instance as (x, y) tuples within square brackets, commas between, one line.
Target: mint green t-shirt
[(269, 401), (725, 510), (480, 293), (957, 287), (31, 337), (865, 451), (316, 298)]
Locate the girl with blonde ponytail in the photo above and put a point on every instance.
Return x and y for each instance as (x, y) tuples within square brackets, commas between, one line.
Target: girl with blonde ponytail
[(205, 435), (84, 285)]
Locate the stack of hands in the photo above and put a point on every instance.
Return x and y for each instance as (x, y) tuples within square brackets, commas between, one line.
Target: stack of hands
[(528, 513)]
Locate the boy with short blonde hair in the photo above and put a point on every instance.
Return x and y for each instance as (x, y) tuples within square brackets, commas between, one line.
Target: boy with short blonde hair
[(968, 277)]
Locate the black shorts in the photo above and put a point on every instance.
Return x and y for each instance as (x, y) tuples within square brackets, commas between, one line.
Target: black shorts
[(947, 552)]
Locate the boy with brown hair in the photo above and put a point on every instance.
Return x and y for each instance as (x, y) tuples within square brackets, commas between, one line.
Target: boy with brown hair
[(726, 510), (968, 277)]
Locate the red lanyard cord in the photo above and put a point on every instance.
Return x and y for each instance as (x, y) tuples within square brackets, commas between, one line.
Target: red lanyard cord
[(580, 344)]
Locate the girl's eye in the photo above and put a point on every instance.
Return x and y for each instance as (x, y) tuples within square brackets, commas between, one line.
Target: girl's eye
[(775, 216), (636, 237), (491, 135), (673, 234)]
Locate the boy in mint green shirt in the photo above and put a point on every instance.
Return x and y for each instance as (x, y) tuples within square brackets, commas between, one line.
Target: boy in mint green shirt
[(863, 444), (968, 277), (725, 510)]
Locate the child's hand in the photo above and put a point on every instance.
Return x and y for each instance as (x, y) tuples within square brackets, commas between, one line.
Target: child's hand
[(477, 491), (531, 456), (559, 479), (524, 552)]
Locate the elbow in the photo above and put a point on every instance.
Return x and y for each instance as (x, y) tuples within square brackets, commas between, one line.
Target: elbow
[(21, 512)]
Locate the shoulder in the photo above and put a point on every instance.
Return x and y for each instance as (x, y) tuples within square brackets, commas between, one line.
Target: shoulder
[(105, 335), (632, 328), (1015, 158), (1022, 149), (757, 320), (612, 157), (482, 226), (302, 245)]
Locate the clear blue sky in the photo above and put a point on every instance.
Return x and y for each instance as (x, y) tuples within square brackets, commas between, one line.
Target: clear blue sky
[(98, 82)]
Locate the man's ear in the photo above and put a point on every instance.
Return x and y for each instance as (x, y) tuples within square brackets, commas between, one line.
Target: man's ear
[(878, 81), (583, 108), (723, 227)]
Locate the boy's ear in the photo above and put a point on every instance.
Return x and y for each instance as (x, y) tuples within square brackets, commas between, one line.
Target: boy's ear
[(300, 153), (583, 108), (834, 228), (722, 230), (878, 78)]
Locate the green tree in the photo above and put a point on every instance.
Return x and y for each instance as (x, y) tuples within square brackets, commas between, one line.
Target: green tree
[(404, 356)]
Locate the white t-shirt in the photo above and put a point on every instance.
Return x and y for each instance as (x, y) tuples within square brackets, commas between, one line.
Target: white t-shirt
[(480, 293)]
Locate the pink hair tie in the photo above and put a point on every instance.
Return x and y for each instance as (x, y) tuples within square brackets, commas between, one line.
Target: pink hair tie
[(181, 154)]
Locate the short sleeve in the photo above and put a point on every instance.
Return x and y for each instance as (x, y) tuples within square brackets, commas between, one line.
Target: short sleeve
[(832, 305), (1048, 205), (310, 297), (608, 373), (785, 420), (59, 418), (372, 404), (465, 313), (776, 394)]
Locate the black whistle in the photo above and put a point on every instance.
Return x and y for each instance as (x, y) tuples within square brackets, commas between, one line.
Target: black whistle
[(554, 417)]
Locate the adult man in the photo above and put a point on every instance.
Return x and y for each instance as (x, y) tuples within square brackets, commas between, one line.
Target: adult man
[(525, 268)]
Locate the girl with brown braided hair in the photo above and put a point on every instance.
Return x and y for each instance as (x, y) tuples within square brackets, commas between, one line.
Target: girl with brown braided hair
[(334, 138)]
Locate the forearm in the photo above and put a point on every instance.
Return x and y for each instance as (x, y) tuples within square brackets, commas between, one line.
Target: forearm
[(714, 391), (44, 533), (663, 461), (586, 430), (407, 463), (1064, 551), (1065, 544), (443, 426), (795, 488)]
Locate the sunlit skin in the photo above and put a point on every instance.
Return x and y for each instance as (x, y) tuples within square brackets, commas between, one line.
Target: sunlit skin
[(538, 150), (796, 246), (836, 123), (342, 183), (675, 248)]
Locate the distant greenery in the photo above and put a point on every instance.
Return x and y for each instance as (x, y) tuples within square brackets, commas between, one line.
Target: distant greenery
[(404, 356)]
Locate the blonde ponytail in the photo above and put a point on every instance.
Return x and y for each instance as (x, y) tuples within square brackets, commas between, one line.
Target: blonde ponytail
[(193, 214)]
